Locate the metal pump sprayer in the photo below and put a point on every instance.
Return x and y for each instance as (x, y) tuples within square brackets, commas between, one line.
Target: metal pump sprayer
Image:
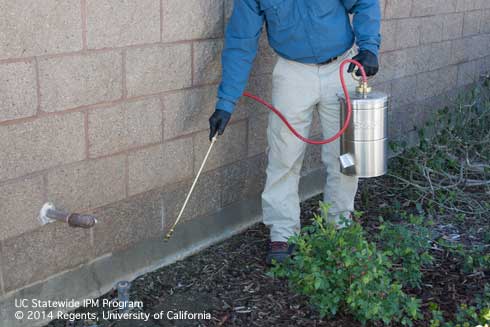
[(364, 145), (363, 132)]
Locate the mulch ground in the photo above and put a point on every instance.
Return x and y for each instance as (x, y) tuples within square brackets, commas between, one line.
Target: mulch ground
[(230, 281)]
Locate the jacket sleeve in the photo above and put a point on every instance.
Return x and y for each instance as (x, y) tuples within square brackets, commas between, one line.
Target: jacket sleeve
[(241, 44), (367, 23)]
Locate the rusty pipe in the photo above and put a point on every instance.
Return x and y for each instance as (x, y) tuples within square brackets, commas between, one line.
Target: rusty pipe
[(49, 213)]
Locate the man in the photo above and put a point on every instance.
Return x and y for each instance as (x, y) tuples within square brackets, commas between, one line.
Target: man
[(312, 38)]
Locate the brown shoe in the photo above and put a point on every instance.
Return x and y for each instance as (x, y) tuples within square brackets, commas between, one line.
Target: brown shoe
[(278, 252)]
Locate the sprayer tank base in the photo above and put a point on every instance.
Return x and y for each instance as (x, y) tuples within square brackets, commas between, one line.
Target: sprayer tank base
[(369, 158)]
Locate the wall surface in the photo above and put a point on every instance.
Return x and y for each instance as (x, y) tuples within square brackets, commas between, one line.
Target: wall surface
[(104, 107)]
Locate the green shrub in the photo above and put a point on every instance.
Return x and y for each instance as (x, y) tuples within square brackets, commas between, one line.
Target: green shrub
[(408, 248), (341, 270), (466, 316)]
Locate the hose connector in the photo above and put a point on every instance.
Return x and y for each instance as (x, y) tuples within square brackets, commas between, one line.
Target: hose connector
[(363, 87)]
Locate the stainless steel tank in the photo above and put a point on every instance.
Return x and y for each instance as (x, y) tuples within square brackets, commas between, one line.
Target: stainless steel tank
[(364, 145)]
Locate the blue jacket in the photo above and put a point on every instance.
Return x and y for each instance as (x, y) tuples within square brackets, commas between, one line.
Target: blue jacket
[(307, 31)]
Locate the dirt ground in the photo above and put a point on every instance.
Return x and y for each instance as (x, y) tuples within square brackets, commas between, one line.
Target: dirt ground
[(229, 281)]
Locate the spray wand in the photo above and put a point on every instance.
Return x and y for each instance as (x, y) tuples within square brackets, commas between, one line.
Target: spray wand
[(172, 229), (291, 128)]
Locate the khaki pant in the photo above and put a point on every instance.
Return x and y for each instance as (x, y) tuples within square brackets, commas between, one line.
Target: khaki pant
[(297, 90)]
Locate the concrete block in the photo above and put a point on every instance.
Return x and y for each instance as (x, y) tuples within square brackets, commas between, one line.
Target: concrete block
[(116, 23), (88, 184), (207, 61), (18, 93), (467, 73), (428, 108), (430, 84), (465, 5), (434, 7), (243, 179), (397, 8), (43, 143), (206, 198), (417, 59), (257, 134), (127, 222), (460, 50), (431, 29), (33, 28), (188, 111), (388, 32), (428, 57), (20, 204), (192, 19), (405, 62), (404, 91), (480, 46), (440, 55), (483, 4), (469, 5), (46, 251), (256, 176), (230, 147), (485, 22), (124, 126), (469, 48), (401, 117), (158, 68), (235, 176), (78, 80), (160, 165), (414, 119), (472, 22), (486, 64), (452, 26), (408, 32), (461, 5), (393, 65), (394, 126)]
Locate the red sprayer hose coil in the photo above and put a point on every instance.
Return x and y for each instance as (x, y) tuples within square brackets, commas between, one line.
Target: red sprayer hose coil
[(347, 98)]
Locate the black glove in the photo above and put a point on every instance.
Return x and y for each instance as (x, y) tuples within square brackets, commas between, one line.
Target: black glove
[(368, 60), (217, 122)]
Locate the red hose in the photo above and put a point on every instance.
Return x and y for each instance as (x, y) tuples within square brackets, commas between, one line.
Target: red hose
[(347, 98)]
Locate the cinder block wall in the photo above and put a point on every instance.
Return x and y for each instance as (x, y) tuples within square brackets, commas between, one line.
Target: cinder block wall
[(104, 107)]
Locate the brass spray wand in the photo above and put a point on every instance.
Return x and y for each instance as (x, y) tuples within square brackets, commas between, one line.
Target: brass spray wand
[(171, 231)]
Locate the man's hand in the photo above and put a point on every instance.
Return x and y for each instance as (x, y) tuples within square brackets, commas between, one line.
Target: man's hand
[(217, 122), (368, 60)]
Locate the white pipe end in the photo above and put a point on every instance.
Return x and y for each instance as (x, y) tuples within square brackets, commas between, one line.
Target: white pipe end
[(43, 217)]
